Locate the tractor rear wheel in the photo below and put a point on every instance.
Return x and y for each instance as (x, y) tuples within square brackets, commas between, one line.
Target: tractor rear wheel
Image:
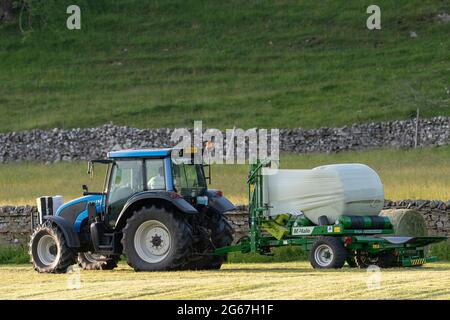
[(92, 261), (48, 250), (156, 239), (221, 235), (327, 253)]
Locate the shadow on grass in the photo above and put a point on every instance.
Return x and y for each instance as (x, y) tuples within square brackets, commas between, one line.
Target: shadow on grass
[(264, 270), (312, 272)]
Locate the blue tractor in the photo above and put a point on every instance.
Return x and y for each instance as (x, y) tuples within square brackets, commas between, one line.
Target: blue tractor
[(155, 208)]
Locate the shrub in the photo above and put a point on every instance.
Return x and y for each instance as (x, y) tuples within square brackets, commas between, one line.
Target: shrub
[(441, 251), (282, 254), (13, 255)]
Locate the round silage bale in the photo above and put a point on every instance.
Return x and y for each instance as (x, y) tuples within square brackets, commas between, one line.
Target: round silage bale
[(406, 222)]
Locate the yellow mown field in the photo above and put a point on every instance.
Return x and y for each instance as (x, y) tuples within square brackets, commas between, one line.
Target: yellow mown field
[(406, 174), (293, 280)]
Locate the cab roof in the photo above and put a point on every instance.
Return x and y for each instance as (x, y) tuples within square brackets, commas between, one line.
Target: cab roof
[(140, 153)]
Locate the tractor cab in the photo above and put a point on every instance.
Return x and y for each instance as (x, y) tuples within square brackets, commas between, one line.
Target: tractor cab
[(131, 172)]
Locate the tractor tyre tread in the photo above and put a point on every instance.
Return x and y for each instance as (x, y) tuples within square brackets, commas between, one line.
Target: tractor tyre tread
[(181, 237), (339, 252), (109, 264), (221, 236), (67, 256)]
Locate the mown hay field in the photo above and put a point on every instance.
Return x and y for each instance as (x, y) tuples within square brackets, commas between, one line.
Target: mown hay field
[(292, 280)]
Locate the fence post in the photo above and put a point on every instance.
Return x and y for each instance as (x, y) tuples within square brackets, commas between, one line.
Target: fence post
[(416, 139)]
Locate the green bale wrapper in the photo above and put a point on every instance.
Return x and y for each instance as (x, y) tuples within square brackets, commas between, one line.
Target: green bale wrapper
[(276, 227), (303, 221)]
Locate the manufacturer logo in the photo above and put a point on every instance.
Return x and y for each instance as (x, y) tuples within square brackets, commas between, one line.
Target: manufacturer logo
[(302, 231)]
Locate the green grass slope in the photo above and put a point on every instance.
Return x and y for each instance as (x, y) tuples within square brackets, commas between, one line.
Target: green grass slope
[(228, 63)]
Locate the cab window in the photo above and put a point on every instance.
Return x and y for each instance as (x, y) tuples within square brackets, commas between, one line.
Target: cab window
[(189, 179), (156, 178), (126, 180)]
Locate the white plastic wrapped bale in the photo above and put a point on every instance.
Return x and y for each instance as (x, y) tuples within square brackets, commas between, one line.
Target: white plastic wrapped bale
[(332, 190), (313, 192), (363, 190)]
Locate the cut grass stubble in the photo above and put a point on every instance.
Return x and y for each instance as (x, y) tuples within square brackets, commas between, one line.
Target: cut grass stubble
[(291, 280)]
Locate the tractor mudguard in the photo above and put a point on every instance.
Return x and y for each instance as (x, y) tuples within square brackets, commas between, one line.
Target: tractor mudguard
[(69, 233), (218, 202), (179, 203)]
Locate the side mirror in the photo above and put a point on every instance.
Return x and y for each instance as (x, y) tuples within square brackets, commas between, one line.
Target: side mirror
[(90, 170), (85, 189), (208, 178)]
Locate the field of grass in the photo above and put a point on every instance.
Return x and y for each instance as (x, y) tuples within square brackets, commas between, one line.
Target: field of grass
[(293, 280), (228, 63), (19, 255), (406, 174)]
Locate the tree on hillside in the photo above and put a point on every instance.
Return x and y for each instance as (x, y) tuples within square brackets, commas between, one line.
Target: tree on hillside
[(7, 12), (32, 13)]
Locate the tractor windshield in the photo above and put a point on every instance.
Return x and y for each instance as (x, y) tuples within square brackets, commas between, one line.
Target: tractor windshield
[(189, 179), (98, 181), (126, 179)]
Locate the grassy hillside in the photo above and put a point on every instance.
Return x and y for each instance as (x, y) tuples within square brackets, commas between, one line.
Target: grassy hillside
[(228, 63), (414, 174)]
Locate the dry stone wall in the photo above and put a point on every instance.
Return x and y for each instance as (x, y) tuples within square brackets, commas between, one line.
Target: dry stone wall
[(82, 144), (15, 221), (15, 225)]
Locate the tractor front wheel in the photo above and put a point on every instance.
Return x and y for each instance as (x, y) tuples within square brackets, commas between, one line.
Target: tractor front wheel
[(48, 250), (327, 253), (156, 239), (92, 261)]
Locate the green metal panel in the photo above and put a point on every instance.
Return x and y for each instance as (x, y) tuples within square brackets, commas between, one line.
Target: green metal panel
[(367, 221), (417, 261), (301, 220)]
